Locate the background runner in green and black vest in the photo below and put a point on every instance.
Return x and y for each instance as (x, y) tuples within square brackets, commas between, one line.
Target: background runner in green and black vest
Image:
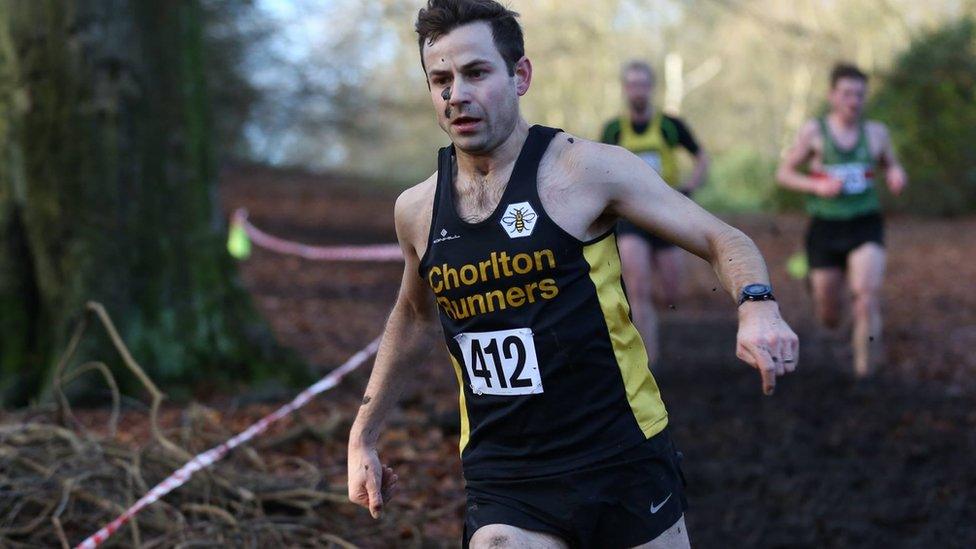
[(839, 161), (653, 266)]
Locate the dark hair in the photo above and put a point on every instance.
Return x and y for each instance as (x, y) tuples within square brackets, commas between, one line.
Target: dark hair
[(846, 70), (442, 16), (637, 65)]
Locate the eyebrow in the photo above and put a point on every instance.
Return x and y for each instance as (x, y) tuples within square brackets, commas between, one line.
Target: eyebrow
[(467, 66)]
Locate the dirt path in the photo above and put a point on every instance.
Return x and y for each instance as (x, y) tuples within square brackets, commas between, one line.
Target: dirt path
[(826, 462)]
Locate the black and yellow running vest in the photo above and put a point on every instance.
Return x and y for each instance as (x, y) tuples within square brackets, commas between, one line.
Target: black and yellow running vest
[(651, 147), (553, 374)]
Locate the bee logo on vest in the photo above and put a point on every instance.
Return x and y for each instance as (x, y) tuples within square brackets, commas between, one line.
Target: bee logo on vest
[(519, 220)]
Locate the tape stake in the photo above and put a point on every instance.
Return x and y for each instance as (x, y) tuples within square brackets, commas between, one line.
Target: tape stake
[(370, 253)]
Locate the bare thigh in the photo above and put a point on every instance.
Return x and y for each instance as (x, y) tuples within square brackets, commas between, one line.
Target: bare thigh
[(670, 268), (635, 259), (675, 537), (503, 536), (866, 267)]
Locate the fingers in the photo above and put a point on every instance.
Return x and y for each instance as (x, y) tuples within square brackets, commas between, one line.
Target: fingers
[(390, 480), (374, 491), (767, 370), (759, 359), (791, 353)]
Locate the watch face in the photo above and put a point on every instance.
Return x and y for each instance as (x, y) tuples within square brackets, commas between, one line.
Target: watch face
[(756, 289)]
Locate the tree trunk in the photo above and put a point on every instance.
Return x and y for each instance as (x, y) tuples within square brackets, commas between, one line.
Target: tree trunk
[(107, 193)]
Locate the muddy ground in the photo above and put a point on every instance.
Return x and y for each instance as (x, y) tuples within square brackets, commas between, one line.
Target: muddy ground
[(824, 462)]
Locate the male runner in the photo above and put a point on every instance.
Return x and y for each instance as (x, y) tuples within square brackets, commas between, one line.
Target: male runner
[(843, 153), (511, 243), (654, 137)]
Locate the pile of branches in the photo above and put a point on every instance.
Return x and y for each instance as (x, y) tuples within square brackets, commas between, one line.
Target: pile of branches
[(60, 482)]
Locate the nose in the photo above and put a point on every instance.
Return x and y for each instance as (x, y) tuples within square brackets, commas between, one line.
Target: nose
[(458, 93)]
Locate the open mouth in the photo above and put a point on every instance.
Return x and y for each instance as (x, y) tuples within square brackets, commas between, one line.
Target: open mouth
[(465, 122)]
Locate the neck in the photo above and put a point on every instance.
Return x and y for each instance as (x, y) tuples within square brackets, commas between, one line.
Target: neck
[(639, 117), (482, 166), (842, 121)]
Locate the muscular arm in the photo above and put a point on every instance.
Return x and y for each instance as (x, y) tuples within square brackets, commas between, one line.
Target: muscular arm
[(409, 334), (632, 190), (638, 194), (788, 174)]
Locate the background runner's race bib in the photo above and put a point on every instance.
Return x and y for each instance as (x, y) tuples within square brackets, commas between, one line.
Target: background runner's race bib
[(653, 159), (502, 362), (852, 175)]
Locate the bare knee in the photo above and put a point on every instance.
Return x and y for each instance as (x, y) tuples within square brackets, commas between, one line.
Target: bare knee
[(501, 536), (866, 302), (491, 537), (828, 313)]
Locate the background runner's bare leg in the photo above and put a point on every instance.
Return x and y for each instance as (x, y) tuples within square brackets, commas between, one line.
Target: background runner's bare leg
[(669, 264), (635, 258), (866, 267), (828, 288), (675, 537), (503, 536)]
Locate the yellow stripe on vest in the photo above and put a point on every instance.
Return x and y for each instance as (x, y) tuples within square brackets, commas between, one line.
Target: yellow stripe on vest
[(628, 348), (465, 426)]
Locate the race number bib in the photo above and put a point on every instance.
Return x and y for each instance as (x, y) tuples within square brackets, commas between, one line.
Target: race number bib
[(852, 175), (652, 159), (502, 362)]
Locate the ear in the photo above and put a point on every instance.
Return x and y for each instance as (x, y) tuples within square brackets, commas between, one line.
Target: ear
[(523, 75)]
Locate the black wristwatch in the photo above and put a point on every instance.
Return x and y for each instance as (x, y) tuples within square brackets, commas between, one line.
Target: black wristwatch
[(756, 292)]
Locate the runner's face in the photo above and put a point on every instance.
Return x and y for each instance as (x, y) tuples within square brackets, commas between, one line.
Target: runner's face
[(847, 97), (638, 88), (475, 98)]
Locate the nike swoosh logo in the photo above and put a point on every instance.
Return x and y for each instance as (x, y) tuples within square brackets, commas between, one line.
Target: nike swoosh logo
[(656, 508)]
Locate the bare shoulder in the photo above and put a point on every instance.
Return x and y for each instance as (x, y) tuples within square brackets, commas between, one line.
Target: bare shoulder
[(578, 161), (575, 180), (809, 131), (413, 211), (876, 128)]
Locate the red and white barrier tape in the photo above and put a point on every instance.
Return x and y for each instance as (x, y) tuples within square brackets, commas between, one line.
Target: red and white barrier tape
[(375, 252), (201, 461)]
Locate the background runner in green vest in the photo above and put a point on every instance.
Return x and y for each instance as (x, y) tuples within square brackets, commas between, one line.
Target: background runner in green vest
[(651, 264), (836, 161)]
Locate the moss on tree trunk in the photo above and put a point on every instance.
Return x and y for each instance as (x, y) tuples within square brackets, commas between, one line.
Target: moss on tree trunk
[(107, 193)]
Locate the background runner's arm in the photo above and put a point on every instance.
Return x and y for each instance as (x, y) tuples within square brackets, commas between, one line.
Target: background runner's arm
[(409, 334), (687, 140), (637, 193), (895, 175), (611, 133), (789, 175)]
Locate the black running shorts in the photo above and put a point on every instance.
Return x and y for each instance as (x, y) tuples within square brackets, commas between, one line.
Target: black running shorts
[(654, 241), (830, 241), (626, 501)]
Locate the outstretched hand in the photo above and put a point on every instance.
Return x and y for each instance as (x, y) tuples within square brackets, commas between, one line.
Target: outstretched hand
[(897, 180), (371, 484), (766, 342), (827, 186)]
